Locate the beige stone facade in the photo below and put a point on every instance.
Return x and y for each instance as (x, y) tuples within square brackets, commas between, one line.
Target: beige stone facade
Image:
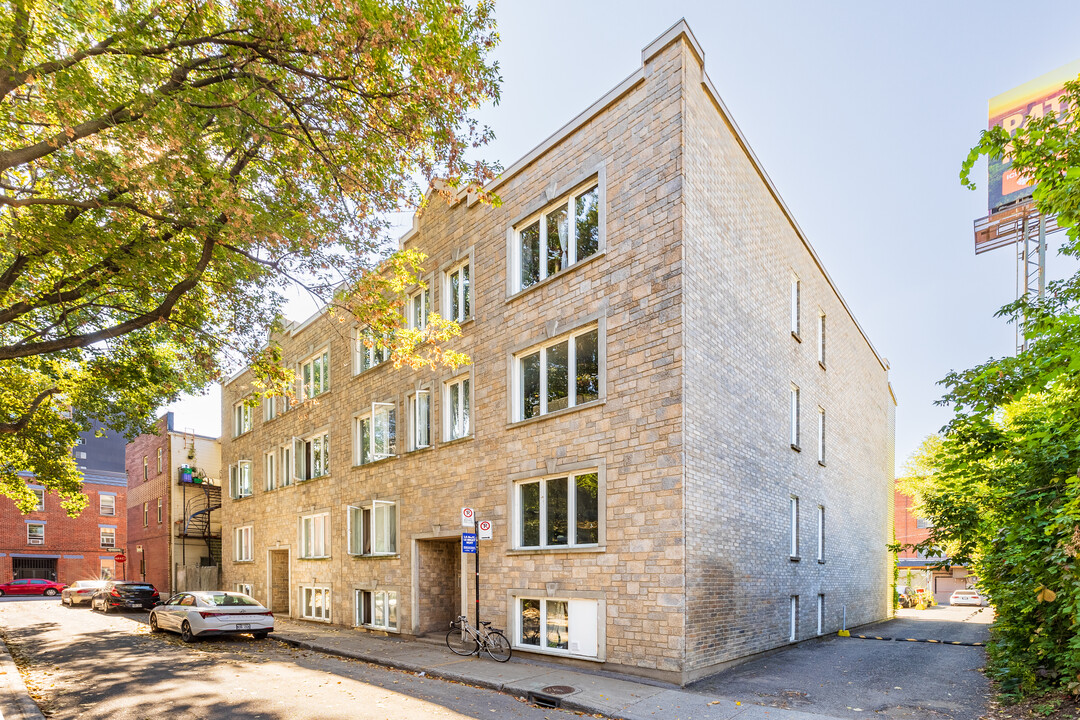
[(681, 442)]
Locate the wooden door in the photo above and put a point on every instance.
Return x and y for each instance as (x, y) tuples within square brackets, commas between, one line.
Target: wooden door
[(279, 581)]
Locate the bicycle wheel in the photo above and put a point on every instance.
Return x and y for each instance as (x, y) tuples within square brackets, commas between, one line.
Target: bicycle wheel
[(460, 641), (497, 646)]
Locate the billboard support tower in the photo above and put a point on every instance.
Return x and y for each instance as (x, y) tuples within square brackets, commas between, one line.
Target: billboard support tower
[(1030, 267)]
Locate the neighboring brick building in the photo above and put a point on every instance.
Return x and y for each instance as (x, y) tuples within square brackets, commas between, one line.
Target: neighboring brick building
[(643, 420), (48, 543), (915, 569), (172, 521)]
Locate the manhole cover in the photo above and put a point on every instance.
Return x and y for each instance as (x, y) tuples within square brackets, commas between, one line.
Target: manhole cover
[(559, 690)]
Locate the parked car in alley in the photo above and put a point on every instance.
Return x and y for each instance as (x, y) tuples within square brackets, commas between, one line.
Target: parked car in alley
[(31, 586), (205, 613), (125, 595), (80, 591), (906, 596), (966, 597)]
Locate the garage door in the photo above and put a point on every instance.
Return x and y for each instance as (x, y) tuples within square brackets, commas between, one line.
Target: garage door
[(944, 586)]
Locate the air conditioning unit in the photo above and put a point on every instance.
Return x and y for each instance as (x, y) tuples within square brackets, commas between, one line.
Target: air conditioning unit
[(37, 541)]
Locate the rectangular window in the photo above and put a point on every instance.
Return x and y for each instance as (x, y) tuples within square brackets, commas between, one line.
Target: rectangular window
[(373, 528), (793, 543), (376, 434), (244, 588), (457, 401), (418, 307), (796, 291), (821, 533), (459, 293), (924, 523), (795, 416), (160, 461), (107, 505), (369, 350), (377, 609), (40, 494), (420, 419), (286, 469), (560, 236), (558, 375), (240, 479), (159, 509), (242, 544), (35, 533), (794, 618), (315, 603), (312, 456), (145, 468), (560, 626), (315, 536), (270, 409), (558, 512), (821, 435), (821, 339), (270, 465), (106, 568), (145, 514), (241, 419), (108, 537), (315, 375), (820, 614)]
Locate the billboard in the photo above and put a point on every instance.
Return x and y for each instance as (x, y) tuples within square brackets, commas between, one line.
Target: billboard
[(1012, 110)]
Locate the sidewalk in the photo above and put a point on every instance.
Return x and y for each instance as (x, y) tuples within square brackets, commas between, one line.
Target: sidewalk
[(15, 702), (588, 692)]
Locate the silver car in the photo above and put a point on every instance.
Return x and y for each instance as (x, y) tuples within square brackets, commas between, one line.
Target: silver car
[(80, 591), (203, 613)]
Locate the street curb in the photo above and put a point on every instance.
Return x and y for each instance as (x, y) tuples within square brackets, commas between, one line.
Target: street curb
[(15, 702), (566, 703)]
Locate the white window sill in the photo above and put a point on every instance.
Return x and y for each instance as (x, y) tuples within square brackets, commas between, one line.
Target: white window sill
[(244, 562), (454, 441), (376, 628), (316, 557), (556, 549), (555, 653), (568, 269), (375, 556), (313, 619), (375, 462), (558, 413)]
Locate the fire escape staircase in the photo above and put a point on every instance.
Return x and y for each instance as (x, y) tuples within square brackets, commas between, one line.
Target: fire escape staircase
[(197, 518)]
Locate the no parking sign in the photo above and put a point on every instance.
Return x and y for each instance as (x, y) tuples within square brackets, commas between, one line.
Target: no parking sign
[(484, 528), (467, 517)]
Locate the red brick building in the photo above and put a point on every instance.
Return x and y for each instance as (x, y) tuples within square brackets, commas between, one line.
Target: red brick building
[(915, 568), (161, 535), (49, 544)]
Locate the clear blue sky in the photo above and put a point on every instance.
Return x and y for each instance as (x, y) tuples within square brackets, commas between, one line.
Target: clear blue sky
[(861, 112)]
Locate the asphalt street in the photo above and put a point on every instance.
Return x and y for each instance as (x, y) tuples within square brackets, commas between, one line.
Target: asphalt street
[(852, 678), (86, 664)]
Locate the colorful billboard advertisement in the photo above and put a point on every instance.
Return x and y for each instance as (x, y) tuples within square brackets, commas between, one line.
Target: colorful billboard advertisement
[(1012, 110)]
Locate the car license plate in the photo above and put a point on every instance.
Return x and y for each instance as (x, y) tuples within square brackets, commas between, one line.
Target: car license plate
[(132, 603), (243, 626)]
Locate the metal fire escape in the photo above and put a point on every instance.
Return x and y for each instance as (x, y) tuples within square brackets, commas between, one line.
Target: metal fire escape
[(198, 521)]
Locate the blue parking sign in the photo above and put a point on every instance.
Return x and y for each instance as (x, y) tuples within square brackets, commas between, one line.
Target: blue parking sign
[(468, 542)]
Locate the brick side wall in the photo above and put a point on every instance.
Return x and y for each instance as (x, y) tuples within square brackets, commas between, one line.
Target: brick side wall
[(741, 360), (154, 565)]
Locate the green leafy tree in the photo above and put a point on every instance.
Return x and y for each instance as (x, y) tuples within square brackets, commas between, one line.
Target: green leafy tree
[(168, 168)]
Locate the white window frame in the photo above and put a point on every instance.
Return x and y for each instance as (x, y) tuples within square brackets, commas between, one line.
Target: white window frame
[(419, 404), (242, 547), (368, 358), (270, 469), (371, 600), (419, 300), (160, 461), (571, 510), (323, 591), (367, 516), (305, 452), (269, 404), (571, 365), (388, 412), (244, 588), (286, 465), (109, 535), (821, 533), (794, 418), (308, 387), (40, 492), (146, 514), (240, 485), (464, 291), (821, 435), (518, 626), (794, 619), (793, 526), (796, 305), (821, 339), (567, 202), (31, 538), (242, 421), (821, 614), (310, 542), (102, 504), (463, 417), (159, 509)]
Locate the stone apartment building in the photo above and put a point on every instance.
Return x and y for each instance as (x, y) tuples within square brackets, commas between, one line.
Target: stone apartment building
[(679, 471), (48, 543), (174, 501)]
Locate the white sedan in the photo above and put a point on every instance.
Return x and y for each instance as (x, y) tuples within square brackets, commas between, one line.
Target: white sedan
[(202, 613), (965, 597)]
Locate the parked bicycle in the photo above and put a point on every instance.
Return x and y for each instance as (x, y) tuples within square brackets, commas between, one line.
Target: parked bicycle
[(464, 639)]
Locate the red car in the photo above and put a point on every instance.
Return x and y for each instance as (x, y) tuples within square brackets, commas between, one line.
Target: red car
[(32, 586)]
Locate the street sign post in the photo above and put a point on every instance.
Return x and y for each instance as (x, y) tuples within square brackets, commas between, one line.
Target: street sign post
[(468, 519), (484, 529)]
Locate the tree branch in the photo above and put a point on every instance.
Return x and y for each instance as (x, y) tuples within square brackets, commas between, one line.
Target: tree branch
[(24, 420)]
